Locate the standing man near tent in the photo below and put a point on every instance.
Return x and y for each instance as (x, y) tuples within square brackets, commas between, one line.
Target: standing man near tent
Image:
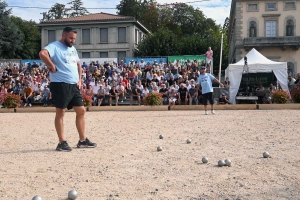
[(205, 80)]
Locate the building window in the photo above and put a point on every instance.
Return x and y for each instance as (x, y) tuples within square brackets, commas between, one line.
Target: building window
[(122, 34), (121, 55), (271, 6), (252, 31), (86, 36), (104, 35), (290, 28), (289, 6), (140, 36), (290, 69), (86, 54), (51, 36), (252, 7), (271, 27), (103, 54), (136, 35)]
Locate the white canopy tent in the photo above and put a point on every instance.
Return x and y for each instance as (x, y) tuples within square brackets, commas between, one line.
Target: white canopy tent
[(257, 63)]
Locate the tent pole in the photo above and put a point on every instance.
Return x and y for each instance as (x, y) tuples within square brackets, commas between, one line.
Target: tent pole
[(221, 59)]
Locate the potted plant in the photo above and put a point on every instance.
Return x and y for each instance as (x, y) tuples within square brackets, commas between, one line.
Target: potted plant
[(296, 95), (87, 100), (280, 96), (12, 101), (153, 99)]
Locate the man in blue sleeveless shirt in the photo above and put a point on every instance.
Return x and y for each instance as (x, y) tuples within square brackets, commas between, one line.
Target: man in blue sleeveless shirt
[(205, 80), (65, 73)]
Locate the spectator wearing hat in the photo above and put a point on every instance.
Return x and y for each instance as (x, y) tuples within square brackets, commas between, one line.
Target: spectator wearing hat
[(142, 64), (205, 80), (223, 99), (46, 95)]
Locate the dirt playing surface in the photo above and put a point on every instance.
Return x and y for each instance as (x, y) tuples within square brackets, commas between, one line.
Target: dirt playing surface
[(127, 165)]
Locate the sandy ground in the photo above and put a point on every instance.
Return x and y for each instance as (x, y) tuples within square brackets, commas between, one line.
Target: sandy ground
[(127, 165)]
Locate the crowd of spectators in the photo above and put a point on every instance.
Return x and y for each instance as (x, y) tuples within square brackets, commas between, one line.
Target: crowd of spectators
[(105, 82)]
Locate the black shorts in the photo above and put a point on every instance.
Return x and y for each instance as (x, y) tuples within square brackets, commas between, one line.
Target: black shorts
[(65, 95), (208, 96)]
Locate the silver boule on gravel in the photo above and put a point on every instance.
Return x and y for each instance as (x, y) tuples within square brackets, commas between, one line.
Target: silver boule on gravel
[(72, 194), (159, 148), (221, 163), (37, 197), (228, 162), (205, 160), (161, 136), (188, 141), (266, 154)]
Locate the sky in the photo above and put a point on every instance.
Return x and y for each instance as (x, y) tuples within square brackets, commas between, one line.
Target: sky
[(218, 10)]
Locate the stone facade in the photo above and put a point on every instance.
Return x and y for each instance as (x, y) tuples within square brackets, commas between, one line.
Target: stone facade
[(121, 34), (270, 27)]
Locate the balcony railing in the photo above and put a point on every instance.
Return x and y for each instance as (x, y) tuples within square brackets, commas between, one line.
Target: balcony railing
[(290, 41)]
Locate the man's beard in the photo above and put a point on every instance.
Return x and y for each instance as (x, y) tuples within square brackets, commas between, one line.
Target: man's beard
[(68, 43)]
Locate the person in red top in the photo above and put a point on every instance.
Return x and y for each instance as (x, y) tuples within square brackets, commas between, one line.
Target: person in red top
[(126, 83)]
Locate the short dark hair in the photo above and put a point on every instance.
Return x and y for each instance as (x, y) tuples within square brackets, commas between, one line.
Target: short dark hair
[(69, 29)]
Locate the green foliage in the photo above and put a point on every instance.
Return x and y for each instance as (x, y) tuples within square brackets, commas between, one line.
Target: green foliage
[(57, 11), (12, 101), (161, 43), (9, 34), (153, 99), (31, 38), (77, 9), (134, 8)]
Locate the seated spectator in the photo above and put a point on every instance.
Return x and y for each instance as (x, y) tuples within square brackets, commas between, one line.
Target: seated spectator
[(135, 95), (46, 95), (193, 95), (175, 86), (100, 95), (164, 92), (155, 90), (182, 95), (172, 97), (145, 92), (113, 94), (121, 90), (106, 88), (28, 95), (223, 99), (227, 83)]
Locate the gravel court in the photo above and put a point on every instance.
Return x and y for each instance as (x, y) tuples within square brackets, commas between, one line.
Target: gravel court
[(126, 164)]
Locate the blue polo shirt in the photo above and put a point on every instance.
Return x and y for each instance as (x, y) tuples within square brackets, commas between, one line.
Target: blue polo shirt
[(65, 59)]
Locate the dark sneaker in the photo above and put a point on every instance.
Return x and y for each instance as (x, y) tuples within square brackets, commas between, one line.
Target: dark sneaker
[(86, 144), (63, 146)]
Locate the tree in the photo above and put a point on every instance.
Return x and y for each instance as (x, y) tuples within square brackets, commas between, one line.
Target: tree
[(133, 8), (31, 38), (77, 9), (161, 43), (9, 34), (57, 11)]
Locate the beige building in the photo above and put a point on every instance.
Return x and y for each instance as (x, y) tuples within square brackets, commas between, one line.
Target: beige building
[(99, 35), (270, 26)]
